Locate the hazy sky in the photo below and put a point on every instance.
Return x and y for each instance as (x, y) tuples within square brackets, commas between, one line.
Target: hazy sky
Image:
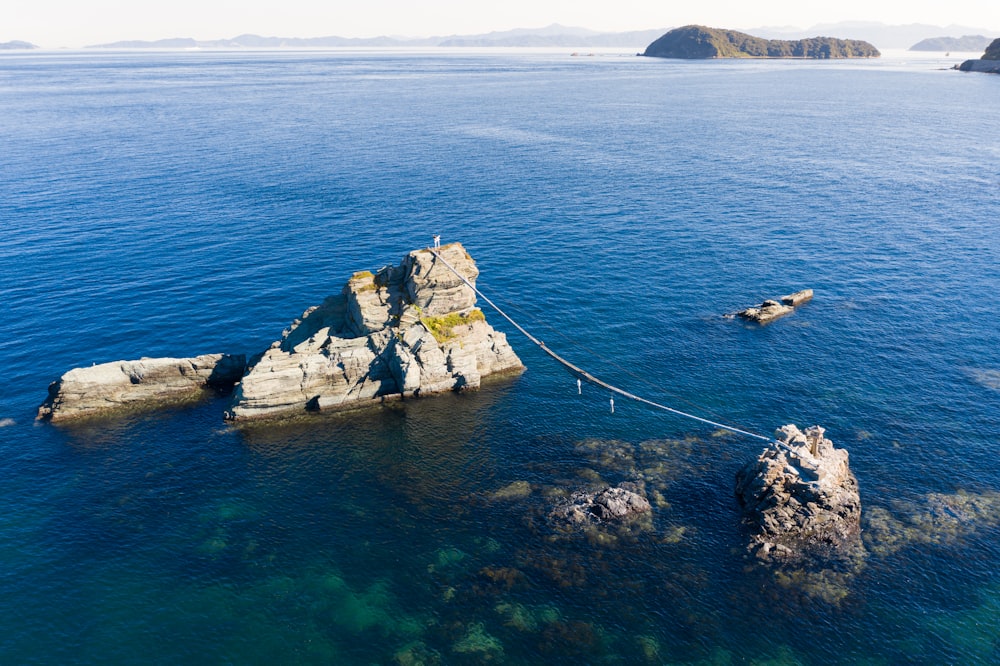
[(71, 23)]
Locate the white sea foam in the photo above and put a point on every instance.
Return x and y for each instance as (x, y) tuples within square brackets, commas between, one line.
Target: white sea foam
[(988, 378)]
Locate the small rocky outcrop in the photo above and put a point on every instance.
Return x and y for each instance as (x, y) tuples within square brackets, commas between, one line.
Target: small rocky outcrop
[(701, 42), (609, 504), (771, 309), (800, 500), (407, 330), (109, 387), (988, 64)]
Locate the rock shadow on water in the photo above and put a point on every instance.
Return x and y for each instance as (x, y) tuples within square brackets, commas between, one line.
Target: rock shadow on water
[(426, 451)]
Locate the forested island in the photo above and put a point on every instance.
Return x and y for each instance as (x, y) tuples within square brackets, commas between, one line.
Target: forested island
[(693, 42)]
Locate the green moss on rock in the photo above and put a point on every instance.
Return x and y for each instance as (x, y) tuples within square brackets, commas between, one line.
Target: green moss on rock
[(442, 328)]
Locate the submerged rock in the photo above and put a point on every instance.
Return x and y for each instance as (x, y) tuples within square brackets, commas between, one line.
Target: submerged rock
[(407, 330), (934, 520), (105, 388), (800, 499)]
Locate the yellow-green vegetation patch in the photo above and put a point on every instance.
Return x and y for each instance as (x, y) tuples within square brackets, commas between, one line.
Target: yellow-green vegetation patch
[(362, 281), (443, 327)]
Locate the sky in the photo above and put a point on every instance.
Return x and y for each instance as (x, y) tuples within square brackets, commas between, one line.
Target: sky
[(75, 23)]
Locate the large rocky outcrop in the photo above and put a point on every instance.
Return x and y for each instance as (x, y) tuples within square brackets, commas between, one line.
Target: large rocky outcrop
[(109, 387), (800, 499), (407, 330), (700, 42)]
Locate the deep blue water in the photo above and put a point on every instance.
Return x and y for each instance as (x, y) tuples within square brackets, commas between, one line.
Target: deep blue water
[(156, 204)]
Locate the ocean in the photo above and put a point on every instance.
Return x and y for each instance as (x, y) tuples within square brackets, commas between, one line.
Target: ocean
[(179, 203)]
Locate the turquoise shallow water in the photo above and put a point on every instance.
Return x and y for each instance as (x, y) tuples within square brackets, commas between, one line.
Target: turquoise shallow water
[(181, 203)]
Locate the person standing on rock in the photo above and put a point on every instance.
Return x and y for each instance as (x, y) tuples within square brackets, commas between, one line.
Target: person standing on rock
[(437, 241)]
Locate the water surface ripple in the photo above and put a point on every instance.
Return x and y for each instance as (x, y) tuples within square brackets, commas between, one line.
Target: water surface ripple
[(159, 204)]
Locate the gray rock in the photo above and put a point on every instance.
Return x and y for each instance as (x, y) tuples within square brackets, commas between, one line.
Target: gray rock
[(148, 382), (771, 309), (800, 499), (433, 287), (619, 502), (407, 330), (766, 312), (983, 66), (798, 298)]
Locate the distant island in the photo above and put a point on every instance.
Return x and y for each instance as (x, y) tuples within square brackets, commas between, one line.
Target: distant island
[(693, 42), (882, 35), (988, 64), (966, 43), (16, 46)]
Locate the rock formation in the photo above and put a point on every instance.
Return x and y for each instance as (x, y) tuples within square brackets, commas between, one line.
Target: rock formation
[(105, 388), (989, 63), (612, 503), (700, 42), (800, 499), (771, 309), (407, 330)]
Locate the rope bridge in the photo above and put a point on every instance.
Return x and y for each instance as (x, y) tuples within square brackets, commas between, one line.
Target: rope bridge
[(582, 374)]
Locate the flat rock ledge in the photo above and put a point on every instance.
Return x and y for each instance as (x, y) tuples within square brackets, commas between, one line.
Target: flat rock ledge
[(771, 309), (109, 387), (800, 500), (404, 331), (615, 503)]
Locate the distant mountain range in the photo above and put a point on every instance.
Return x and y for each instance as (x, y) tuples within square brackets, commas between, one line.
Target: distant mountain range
[(880, 34), (16, 46), (553, 35)]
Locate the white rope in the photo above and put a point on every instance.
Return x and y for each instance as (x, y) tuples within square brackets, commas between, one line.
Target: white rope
[(581, 373)]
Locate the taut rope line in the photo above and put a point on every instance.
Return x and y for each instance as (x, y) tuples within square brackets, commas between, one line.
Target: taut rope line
[(583, 374)]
